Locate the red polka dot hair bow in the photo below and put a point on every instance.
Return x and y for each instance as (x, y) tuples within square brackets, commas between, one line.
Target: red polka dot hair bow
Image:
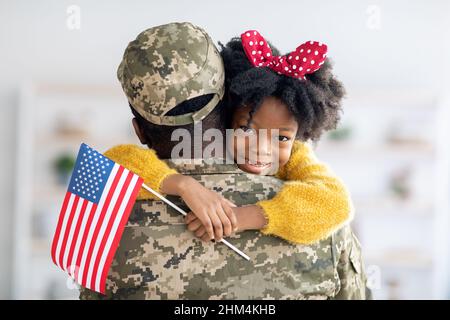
[(306, 59)]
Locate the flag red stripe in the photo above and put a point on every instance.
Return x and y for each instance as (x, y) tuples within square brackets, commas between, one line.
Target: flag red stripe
[(83, 240), (99, 223), (118, 235), (77, 230), (66, 233), (108, 227), (59, 225)]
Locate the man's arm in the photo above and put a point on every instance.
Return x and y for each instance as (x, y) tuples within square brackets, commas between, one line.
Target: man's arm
[(350, 266)]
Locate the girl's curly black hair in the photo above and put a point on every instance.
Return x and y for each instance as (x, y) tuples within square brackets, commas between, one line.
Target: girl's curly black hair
[(316, 103)]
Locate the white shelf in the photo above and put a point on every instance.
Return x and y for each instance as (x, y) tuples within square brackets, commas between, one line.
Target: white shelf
[(344, 149), (395, 262), (386, 207)]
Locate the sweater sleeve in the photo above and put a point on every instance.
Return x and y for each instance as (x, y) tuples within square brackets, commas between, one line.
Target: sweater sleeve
[(143, 162), (312, 203)]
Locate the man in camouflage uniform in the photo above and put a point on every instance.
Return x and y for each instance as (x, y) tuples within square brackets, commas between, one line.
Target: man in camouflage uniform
[(158, 258)]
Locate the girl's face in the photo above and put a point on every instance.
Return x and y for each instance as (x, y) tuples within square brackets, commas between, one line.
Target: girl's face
[(268, 138)]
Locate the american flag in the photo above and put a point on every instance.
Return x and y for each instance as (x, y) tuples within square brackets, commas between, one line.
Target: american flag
[(95, 210)]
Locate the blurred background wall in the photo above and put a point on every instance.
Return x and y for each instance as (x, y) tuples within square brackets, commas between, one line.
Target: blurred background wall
[(384, 52)]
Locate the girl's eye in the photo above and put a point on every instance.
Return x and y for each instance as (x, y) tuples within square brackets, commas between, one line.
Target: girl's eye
[(283, 138), (247, 129)]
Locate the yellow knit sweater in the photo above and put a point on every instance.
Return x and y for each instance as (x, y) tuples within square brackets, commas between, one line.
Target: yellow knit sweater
[(312, 203)]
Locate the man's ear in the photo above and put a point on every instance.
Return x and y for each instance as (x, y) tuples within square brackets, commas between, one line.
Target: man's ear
[(138, 131)]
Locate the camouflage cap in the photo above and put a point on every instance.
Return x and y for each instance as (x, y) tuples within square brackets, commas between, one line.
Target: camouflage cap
[(167, 65)]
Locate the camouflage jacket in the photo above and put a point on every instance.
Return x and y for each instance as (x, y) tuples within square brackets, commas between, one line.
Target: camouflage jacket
[(158, 258)]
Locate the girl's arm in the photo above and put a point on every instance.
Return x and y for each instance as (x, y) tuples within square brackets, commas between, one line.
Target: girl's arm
[(143, 162), (312, 203), (310, 206), (214, 211)]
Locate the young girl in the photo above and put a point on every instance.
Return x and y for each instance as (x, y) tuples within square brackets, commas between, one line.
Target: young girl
[(294, 96)]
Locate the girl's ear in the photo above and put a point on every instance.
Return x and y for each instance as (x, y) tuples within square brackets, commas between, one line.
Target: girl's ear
[(139, 133)]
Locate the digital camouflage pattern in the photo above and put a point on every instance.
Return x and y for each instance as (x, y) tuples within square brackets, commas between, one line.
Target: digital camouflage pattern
[(167, 65), (158, 258)]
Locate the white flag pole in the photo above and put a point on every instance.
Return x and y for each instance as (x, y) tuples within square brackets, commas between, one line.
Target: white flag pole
[(184, 213)]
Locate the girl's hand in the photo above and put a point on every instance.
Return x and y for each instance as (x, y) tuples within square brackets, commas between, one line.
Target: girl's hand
[(214, 211), (249, 217), (211, 209), (196, 226)]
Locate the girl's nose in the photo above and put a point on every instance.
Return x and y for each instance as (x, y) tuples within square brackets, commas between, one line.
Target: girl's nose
[(264, 146)]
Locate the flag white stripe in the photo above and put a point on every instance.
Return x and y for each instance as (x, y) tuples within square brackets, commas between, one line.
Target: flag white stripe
[(95, 220), (79, 238), (81, 201), (63, 228), (101, 232), (113, 230)]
